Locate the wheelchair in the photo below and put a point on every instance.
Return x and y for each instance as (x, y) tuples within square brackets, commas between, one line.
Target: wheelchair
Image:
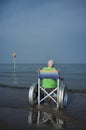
[(38, 94)]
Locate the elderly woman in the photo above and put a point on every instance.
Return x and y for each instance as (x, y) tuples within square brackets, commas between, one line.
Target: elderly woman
[(49, 83)]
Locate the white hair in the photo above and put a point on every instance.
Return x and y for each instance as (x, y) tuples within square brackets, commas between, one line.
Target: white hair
[(51, 63)]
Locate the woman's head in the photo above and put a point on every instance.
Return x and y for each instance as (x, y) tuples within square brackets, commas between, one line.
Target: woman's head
[(51, 63)]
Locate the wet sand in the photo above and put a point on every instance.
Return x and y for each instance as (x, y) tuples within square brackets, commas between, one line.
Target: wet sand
[(16, 114)]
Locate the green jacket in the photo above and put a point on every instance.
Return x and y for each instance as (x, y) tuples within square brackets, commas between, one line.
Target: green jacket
[(49, 83)]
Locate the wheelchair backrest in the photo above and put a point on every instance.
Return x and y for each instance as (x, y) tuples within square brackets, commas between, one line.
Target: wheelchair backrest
[(49, 74)]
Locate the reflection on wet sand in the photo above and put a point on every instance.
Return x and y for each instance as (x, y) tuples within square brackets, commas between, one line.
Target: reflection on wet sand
[(15, 78), (43, 119)]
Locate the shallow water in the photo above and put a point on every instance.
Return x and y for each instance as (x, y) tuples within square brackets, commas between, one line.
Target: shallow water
[(17, 114), (25, 74)]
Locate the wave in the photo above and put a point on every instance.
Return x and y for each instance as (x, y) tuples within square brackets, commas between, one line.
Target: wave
[(77, 90), (15, 107), (25, 87), (13, 87)]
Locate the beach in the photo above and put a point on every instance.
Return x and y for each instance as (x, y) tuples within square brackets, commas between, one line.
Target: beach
[(37, 35), (17, 114)]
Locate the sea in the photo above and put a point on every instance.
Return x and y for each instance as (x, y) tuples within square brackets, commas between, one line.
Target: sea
[(15, 111), (23, 75)]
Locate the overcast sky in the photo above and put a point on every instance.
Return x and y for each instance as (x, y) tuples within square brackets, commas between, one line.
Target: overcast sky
[(38, 30)]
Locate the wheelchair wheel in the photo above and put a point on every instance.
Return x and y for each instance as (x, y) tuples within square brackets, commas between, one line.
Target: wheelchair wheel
[(63, 96), (33, 94)]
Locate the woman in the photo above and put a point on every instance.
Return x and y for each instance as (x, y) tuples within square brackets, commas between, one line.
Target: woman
[(49, 83)]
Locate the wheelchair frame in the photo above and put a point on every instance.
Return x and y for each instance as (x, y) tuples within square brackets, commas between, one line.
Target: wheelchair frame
[(35, 92)]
